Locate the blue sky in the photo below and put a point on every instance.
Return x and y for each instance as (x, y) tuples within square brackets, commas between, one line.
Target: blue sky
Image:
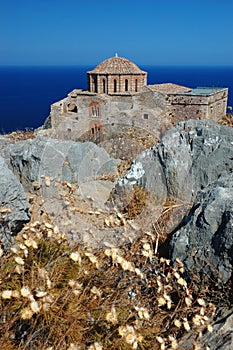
[(85, 32)]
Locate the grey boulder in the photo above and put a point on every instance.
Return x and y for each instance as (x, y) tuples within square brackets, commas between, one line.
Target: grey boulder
[(75, 162), (14, 205), (189, 157), (205, 242)]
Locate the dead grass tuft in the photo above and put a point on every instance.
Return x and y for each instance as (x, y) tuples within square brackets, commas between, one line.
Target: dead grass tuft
[(55, 297)]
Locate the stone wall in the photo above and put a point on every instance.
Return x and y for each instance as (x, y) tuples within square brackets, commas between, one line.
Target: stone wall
[(84, 113), (116, 83), (188, 106)]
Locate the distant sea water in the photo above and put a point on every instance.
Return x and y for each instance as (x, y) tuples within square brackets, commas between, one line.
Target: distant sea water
[(26, 93)]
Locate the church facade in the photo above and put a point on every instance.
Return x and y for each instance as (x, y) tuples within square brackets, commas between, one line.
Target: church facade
[(118, 95)]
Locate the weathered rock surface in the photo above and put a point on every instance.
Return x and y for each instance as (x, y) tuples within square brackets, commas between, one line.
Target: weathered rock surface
[(12, 197), (188, 158), (70, 161), (205, 242), (221, 338)]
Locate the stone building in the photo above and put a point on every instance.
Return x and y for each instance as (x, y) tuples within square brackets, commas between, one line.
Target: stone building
[(118, 95)]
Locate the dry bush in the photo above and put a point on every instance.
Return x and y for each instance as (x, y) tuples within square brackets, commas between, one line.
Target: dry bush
[(54, 297), (226, 120), (137, 202)]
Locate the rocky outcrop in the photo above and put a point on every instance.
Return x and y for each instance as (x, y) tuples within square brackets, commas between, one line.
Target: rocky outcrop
[(188, 158), (70, 161), (14, 207), (205, 242), (221, 338)]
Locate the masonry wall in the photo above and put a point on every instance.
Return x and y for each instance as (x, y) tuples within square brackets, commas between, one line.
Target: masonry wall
[(80, 114), (184, 106), (116, 83), (83, 113)]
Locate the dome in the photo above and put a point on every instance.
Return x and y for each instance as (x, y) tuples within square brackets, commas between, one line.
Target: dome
[(117, 65)]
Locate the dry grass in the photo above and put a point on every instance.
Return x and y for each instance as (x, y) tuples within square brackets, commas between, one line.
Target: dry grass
[(226, 120), (20, 135), (54, 297)]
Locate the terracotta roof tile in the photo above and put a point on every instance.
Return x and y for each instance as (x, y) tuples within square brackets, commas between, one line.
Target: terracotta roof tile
[(117, 65), (169, 88)]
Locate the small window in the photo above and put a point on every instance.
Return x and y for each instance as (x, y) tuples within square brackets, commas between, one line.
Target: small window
[(126, 85), (104, 86), (95, 111), (136, 85), (115, 85), (146, 116)]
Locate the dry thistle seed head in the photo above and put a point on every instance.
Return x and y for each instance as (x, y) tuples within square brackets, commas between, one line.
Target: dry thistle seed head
[(177, 323), (142, 313), (26, 313), (112, 316), (147, 253), (15, 294), (179, 262), (48, 225), (139, 273), (7, 294), (31, 243), (181, 269), (209, 328), (14, 250), (41, 294), (96, 291), (202, 311), (93, 259), (182, 282), (186, 325), (19, 269), (173, 341), (197, 320), (96, 346), (169, 304), (160, 339), (19, 260), (127, 266), (177, 275), (75, 256), (161, 301), (188, 301), (22, 246), (201, 302), (25, 292), (35, 306), (163, 260), (146, 246)]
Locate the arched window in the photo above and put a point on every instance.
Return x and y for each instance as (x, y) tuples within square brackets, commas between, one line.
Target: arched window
[(136, 85), (126, 85), (115, 85), (94, 109), (104, 86)]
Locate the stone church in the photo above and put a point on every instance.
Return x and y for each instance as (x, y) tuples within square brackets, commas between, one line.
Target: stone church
[(118, 95)]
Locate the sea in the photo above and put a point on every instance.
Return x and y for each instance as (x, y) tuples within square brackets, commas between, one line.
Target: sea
[(26, 93)]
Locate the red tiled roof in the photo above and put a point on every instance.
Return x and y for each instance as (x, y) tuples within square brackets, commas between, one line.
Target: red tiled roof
[(169, 88), (117, 65)]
